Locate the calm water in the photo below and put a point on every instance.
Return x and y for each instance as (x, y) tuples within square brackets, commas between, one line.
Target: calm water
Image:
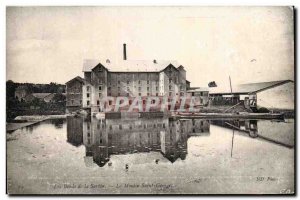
[(157, 155)]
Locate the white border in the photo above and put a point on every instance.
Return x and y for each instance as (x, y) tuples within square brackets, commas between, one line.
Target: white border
[(107, 3)]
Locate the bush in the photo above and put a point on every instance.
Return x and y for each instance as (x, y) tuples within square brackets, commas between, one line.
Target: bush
[(263, 110)]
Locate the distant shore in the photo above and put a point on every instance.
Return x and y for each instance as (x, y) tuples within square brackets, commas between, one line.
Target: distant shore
[(27, 120)]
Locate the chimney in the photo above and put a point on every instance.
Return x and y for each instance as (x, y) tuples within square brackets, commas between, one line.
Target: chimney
[(124, 52)]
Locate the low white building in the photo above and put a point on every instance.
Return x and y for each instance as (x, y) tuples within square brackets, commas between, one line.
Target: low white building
[(271, 95)]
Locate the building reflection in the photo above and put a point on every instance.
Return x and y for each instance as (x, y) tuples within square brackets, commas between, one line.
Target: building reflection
[(75, 131), (247, 126), (105, 137)]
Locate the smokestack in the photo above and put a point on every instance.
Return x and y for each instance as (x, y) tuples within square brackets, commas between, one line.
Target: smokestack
[(124, 52)]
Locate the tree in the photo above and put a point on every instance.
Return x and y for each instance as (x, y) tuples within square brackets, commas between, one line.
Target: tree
[(212, 84)]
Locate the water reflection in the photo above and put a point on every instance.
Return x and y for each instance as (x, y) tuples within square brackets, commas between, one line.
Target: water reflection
[(58, 123), (269, 131), (105, 137)]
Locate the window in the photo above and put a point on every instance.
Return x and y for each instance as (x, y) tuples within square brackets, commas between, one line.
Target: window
[(128, 88), (110, 127), (156, 88), (148, 94), (139, 82), (88, 126), (157, 94), (120, 126), (170, 80), (98, 126), (119, 94), (100, 94), (128, 82), (118, 82), (88, 88), (88, 103), (98, 102), (87, 95), (170, 87), (72, 102), (148, 88), (80, 101), (100, 88), (148, 82), (119, 88), (170, 93), (140, 94), (127, 94), (130, 126), (140, 88), (110, 102), (130, 102)]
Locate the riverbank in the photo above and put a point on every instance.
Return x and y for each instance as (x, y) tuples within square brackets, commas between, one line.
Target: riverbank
[(27, 120)]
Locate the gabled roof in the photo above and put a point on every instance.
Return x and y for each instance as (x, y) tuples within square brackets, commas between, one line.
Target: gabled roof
[(41, 95), (78, 78), (249, 87), (129, 65)]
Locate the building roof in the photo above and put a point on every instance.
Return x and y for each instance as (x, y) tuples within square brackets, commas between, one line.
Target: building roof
[(129, 65), (40, 95), (76, 78), (248, 88), (198, 89)]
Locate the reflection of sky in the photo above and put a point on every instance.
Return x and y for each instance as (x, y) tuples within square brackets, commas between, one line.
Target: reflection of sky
[(44, 153)]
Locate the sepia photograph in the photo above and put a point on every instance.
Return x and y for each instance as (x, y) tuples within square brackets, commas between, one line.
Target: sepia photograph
[(161, 100)]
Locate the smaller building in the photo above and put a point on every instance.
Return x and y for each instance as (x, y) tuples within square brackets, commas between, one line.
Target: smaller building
[(74, 94), (202, 93), (21, 92), (272, 95)]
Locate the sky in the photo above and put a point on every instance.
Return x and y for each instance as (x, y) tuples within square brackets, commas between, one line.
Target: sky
[(249, 44)]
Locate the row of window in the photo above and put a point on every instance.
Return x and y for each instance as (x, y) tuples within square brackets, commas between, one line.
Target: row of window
[(119, 88), (163, 125)]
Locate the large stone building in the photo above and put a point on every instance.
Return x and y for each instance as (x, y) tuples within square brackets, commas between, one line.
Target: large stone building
[(128, 78)]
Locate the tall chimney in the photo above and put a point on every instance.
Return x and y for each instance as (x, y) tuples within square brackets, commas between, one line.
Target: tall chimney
[(124, 52)]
